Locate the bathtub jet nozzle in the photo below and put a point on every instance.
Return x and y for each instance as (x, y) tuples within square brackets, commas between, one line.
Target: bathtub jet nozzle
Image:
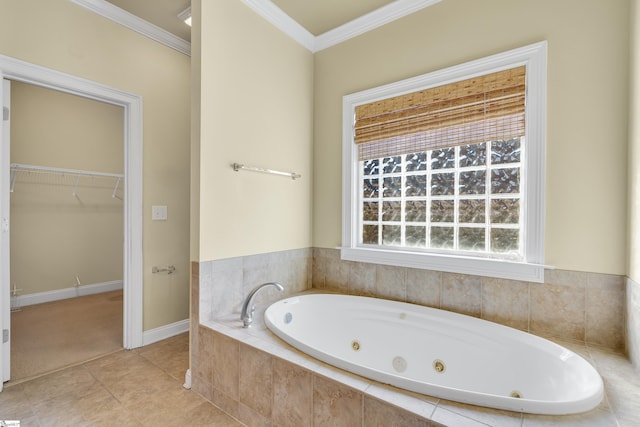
[(247, 306)]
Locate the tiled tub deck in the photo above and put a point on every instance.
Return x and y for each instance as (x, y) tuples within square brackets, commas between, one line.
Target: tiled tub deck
[(263, 381), (259, 379)]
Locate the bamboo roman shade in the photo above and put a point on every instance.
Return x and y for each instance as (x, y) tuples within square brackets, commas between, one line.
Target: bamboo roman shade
[(480, 109)]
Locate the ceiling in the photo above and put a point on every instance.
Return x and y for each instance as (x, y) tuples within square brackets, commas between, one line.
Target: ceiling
[(316, 16), (320, 16), (162, 13)]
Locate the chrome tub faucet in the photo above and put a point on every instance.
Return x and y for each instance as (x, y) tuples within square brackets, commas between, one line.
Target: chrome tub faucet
[(247, 306)]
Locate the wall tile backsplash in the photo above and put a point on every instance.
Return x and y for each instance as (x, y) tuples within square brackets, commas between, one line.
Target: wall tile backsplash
[(633, 321), (571, 305), (224, 283), (599, 309), (244, 381)]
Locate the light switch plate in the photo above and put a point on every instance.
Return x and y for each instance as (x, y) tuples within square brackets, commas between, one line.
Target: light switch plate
[(159, 213)]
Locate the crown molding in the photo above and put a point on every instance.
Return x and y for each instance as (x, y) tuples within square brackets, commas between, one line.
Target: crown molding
[(370, 21), (139, 25), (272, 13), (361, 25)]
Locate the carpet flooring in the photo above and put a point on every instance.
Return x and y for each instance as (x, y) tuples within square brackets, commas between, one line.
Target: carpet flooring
[(50, 336)]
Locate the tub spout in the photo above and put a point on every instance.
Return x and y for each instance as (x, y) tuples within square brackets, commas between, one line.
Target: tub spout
[(247, 306)]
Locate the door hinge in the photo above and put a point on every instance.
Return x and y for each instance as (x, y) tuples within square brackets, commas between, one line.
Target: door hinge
[(5, 336), (5, 113)]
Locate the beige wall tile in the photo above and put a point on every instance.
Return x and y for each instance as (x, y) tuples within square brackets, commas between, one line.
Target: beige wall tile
[(335, 405), (576, 279), (391, 282), (292, 395), (379, 414), (204, 355), (462, 294), (506, 302), (202, 388), (337, 275), (605, 310), (252, 418), (632, 325), (225, 365), (318, 269), (424, 287), (558, 310), (256, 380), (362, 279), (226, 403), (570, 305)]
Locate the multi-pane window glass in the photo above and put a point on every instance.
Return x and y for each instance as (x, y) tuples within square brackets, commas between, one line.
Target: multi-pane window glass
[(462, 199)]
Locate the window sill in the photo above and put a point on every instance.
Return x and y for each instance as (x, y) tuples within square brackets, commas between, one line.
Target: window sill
[(486, 267)]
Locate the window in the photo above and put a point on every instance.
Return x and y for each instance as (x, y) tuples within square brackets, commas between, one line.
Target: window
[(462, 199), (445, 171)]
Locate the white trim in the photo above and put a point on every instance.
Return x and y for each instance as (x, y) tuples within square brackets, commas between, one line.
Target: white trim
[(187, 380), (163, 332), (370, 21), (66, 293), (354, 28), (534, 58), (272, 13), (185, 14), (283, 22), (135, 23), (448, 263), (132, 104), (5, 220)]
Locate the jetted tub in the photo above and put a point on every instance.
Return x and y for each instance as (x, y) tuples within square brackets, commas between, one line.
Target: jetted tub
[(438, 353)]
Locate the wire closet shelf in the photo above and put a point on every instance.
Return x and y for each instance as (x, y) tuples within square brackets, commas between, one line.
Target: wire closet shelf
[(62, 176)]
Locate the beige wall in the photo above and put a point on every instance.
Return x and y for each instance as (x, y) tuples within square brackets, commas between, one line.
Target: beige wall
[(60, 35), (634, 147), (588, 42), (632, 294), (256, 109), (54, 235), (195, 130)]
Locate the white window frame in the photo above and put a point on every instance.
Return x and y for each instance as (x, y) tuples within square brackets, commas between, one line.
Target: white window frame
[(534, 58)]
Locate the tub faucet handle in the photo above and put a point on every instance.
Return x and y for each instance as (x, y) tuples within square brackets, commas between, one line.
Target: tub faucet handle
[(247, 306)]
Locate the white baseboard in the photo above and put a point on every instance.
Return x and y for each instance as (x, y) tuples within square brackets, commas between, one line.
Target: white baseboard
[(66, 293), (187, 380), (164, 332)]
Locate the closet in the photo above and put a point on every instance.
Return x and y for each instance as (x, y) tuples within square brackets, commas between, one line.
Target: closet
[(67, 222)]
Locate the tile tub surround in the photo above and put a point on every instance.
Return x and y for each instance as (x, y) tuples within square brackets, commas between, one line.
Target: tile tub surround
[(260, 380), (633, 321), (599, 300), (224, 283), (235, 375), (254, 379), (570, 305)]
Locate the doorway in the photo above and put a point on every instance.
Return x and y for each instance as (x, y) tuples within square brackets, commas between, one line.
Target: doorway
[(17, 70), (66, 229)]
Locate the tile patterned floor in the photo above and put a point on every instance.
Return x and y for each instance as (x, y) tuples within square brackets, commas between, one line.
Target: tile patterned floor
[(141, 387)]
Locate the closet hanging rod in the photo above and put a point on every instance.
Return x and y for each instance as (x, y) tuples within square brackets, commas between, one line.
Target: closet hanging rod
[(237, 166), (30, 168)]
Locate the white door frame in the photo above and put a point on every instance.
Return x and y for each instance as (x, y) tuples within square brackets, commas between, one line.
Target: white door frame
[(18, 70), (5, 278)]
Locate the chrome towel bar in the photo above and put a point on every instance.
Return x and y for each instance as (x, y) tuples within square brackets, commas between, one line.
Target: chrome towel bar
[(237, 167)]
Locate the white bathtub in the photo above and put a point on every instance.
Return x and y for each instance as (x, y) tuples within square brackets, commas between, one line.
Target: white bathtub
[(438, 353)]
